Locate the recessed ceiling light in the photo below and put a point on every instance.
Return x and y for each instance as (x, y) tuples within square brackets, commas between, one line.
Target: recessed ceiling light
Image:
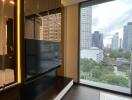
[(12, 2)]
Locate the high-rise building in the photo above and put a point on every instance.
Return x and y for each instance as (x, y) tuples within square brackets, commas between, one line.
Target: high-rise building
[(125, 42), (120, 43), (115, 42), (86, 27), (50, 29), (127, 37), (129, 32), (97, 39)]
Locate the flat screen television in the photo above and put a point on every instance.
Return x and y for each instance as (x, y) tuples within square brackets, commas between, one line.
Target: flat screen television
[(41, 56)]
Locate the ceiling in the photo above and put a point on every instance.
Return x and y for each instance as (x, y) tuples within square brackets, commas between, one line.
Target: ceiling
[(71, 2)]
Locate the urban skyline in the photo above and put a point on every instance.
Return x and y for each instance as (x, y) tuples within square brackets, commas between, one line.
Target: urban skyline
[(107, 61), (88, 27), (108, 24), (116, 41)]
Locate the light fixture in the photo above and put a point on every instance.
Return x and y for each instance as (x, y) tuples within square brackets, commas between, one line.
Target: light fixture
[(12, 2), (18, 41)]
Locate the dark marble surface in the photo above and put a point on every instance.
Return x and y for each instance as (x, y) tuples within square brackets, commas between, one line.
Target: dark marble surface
[(78, 92), (44, 88)]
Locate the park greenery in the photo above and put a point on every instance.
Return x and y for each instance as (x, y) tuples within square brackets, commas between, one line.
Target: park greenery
[(104, 71), (118, 54)]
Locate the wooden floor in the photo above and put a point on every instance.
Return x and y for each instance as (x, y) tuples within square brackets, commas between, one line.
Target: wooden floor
[(78, 92)]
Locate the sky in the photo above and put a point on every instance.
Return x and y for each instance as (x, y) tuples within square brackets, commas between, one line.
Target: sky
[(111, 17)]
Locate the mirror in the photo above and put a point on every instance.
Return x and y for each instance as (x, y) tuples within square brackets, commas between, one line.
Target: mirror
[(7, 47)]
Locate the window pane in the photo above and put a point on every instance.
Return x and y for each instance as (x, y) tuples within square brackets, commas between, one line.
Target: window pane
[(106, 45)]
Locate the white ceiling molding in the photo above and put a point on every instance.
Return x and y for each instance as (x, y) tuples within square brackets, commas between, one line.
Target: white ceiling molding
[(70, 2)]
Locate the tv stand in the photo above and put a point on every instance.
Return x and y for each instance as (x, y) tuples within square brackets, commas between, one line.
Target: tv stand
[(48, 87)]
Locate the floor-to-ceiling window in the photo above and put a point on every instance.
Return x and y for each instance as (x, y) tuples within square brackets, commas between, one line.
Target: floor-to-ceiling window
[(106, 44)]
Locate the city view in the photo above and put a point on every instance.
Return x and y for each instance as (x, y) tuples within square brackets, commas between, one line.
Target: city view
[(106, 45)]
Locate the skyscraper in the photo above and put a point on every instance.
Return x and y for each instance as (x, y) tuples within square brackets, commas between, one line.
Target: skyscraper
[(115, 42), (127, 37), (97, 39), (86, 26), (120, 43)]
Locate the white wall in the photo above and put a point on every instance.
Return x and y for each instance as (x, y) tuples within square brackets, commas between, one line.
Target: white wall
[(71, 41)]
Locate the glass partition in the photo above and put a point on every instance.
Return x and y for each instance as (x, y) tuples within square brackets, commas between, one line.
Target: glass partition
[(7, 47)]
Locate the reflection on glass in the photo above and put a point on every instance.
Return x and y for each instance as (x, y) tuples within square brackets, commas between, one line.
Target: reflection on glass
[(106, 44), (7, 55), (43, 39), (106, 96)]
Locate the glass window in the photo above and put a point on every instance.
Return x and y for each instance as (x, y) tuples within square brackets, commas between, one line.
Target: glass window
[(106, 44)]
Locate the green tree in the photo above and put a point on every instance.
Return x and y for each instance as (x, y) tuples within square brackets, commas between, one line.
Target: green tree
[(102, 72), (119, 54), (86, 64), (114, 80), (96, 71)]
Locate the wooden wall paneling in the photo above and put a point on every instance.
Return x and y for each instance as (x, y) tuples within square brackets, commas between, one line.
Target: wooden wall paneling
[(43, 5), (23, 69), (37, 6), (51, 4), (57, 3), (61, 70), (71, 41)]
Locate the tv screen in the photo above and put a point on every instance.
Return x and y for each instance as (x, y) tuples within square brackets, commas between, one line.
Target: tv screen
[(41, 56)]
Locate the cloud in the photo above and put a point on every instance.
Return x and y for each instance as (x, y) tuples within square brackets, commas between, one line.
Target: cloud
[(111, 17), (119, 22), (95, 22)]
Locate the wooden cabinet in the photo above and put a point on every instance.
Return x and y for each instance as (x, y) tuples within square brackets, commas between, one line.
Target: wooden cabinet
[(53, 4), (37, 6)]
